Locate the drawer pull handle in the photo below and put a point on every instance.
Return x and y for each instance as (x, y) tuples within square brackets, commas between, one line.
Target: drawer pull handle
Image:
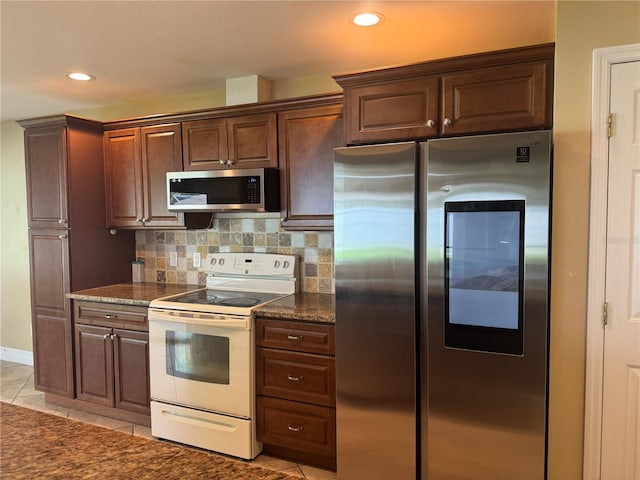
[(291, 378), (108, 315), (295, 428), (297, 338)]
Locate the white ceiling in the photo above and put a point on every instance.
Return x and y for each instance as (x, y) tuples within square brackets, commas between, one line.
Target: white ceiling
[(145, 49)]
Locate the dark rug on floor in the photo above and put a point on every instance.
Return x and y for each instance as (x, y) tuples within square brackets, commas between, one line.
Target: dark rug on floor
[(36, 445)]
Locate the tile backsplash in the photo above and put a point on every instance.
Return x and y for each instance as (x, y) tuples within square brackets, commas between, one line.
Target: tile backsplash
[(263, 235)]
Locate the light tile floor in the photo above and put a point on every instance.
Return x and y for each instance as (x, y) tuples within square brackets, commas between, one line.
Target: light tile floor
[(16, 386)]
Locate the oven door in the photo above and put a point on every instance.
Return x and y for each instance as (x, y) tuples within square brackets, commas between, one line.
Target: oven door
[(203, 361)]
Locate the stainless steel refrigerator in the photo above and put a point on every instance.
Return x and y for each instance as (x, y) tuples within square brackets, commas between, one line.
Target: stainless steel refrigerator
[(442, 281)]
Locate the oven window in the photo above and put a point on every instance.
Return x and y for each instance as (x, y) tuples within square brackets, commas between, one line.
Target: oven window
[(484, 256), (197, 357)]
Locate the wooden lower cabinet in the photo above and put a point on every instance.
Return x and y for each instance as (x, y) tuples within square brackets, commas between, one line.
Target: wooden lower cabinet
[(295, 376), (112, 363), (50, 319)]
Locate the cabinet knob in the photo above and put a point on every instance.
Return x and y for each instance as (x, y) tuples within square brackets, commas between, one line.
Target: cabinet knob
[(291, 378), (138, 219), (447, 122), (62, 220), (145, 219), (295, 338), (431, 123), (109, 316), (62, 236), (106, 336), (295, 428)]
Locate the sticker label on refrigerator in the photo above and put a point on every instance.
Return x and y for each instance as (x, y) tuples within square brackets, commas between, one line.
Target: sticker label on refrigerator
[(523, 154)]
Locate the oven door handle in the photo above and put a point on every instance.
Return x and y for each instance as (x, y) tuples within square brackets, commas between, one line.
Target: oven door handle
[(235, 322)]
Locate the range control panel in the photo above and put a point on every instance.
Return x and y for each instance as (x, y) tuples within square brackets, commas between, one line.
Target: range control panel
[(252, 264)]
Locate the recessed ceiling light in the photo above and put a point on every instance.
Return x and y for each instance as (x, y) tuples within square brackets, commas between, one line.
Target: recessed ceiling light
[(80, 76), (367, 19)]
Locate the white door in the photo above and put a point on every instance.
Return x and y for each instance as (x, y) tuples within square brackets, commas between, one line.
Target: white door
[(621, 372)]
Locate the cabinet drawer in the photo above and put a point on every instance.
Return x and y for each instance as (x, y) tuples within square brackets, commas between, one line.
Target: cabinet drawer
[(296, 376), (297, 336), (297, 426), (131, 317)]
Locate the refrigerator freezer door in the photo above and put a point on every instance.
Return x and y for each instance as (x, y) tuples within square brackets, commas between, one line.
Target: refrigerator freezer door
[(375, 193)]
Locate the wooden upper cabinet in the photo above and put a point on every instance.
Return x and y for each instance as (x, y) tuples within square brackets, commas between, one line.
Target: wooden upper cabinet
[(499, 91), (392, 111), (136, 163), (161, 148), (253, 140), (247, 141), (501, 98), (123, 177), (307, 137), (204, 144), (46, 169)]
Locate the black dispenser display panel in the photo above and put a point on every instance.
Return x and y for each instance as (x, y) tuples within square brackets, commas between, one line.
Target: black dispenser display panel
[(484, 275)]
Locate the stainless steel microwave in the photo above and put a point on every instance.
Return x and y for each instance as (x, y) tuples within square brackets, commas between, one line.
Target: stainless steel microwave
[(254, 190)]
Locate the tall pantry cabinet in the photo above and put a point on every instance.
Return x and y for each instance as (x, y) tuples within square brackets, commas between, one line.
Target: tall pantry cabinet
[(69, 245)]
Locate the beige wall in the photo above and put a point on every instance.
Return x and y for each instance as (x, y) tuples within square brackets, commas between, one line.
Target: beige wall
[(581, 27), (15, 326)]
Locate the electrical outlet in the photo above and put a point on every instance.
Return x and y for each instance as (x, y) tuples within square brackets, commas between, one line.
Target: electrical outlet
[(196, 260), (173, 259)]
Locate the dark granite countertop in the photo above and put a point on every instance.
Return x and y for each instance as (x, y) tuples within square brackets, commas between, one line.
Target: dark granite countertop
[(312, 307), (131, 293), (303, 306)]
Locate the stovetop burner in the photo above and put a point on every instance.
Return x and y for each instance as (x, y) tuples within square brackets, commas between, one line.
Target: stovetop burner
[(236, 284), (240, 302), (226, 298)]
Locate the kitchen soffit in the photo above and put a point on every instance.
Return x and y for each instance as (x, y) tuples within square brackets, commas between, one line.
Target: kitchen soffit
[(144, 50)]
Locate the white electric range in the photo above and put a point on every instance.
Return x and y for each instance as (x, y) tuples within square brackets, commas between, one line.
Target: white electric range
[(201, 350)]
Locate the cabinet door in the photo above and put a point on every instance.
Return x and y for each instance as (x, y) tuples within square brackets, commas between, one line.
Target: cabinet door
[(131, 363), (252, 141), (306, 143), (94, 364), (494, 99), (204, 144), (123, 178), (161, 152), (46, 168), (396, 110), (51, 322)]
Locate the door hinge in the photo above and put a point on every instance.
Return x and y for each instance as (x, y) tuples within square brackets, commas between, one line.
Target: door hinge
[(605, 313), (610, 125)]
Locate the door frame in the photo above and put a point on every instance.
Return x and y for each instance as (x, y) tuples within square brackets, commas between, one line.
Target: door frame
[(603, 59)]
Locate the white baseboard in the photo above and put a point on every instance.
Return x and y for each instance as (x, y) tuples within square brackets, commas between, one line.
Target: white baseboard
[(17, 356)]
